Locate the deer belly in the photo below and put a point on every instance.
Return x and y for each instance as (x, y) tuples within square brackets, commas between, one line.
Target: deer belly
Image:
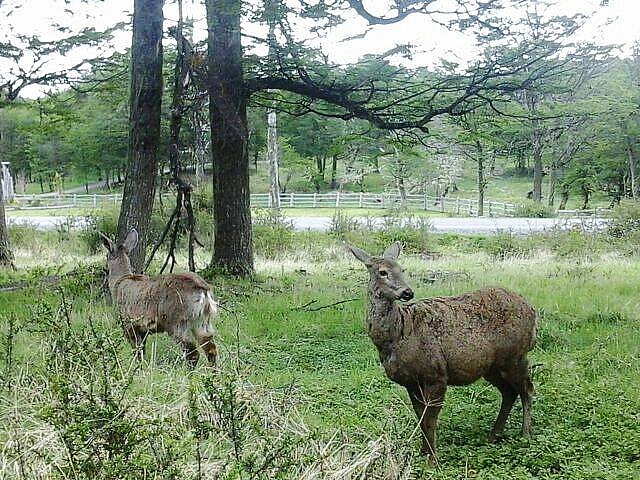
[(407, 369)]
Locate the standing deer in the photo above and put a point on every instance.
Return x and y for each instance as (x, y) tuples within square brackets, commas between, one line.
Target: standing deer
[(430, 344), (181, 305)]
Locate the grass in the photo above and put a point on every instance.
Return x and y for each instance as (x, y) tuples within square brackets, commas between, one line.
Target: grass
[(310, 382)]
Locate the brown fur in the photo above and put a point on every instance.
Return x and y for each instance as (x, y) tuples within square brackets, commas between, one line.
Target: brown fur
[(181, 305), (430, 344)]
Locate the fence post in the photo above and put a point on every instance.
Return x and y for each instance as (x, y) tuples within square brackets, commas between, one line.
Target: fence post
[(315, 199), (442, 200), (457, 205), (75, 200), (291, 200), (360, 200), (489, 207), (425, 202), (338, 199), (95, 200)]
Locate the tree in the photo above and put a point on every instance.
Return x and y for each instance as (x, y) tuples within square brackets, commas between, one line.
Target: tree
[(403, 100), (26, 59), (144, 124)]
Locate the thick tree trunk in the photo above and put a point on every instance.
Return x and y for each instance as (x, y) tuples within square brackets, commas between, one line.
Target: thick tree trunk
[(233, 244), (144, 124), (6, 256), (537, 166), (272, 158)]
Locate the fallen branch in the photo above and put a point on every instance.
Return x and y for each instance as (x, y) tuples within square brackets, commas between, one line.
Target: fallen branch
[(315, 309)]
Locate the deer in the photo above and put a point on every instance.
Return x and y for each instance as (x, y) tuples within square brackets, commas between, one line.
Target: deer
[(181, 305), (431, 344)]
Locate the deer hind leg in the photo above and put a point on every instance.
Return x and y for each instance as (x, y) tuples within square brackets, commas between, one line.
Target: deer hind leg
[(427, 402), (518, 377), (509, 396), (526, 395)]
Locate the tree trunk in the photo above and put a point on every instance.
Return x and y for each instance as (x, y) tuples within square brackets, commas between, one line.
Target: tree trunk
[(272, 158), (633, 172), (6, 256), (144, 125), (334, 172), (481, 181), (233, 244), (537, 166), (553, 177), (586, 193), (564, 197)]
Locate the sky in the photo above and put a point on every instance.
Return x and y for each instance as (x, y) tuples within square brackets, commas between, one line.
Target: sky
[(616, 23)]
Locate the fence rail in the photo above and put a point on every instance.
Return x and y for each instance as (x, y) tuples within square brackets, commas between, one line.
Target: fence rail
[(458, 206)]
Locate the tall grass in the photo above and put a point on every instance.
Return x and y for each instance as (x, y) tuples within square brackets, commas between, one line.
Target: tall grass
[(300, 392)]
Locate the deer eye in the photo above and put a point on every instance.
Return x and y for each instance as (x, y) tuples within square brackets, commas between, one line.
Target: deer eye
[(383, 273)]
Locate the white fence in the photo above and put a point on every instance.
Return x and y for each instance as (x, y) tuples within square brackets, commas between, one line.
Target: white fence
[(457, 206)]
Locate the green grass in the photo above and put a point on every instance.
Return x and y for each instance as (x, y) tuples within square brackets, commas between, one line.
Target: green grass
[(312, 380)]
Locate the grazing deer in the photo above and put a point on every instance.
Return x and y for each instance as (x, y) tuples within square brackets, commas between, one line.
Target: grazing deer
[(430, 344), (181, 305)]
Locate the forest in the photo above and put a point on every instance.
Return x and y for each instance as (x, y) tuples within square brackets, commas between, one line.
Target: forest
[(319, 239)]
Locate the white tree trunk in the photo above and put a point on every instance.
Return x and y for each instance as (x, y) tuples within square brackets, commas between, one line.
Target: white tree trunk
[(272, 158)]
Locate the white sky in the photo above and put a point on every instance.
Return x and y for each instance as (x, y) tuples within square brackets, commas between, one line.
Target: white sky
[(617, 23)]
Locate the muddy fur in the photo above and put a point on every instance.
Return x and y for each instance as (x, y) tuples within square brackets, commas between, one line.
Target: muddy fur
[(430, 344), (181, 305)]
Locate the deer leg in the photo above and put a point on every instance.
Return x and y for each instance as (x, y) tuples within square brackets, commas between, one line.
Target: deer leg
[(209, 348), (427, 402), (137, 339), (191, 354), (524, 388), (509, 396)]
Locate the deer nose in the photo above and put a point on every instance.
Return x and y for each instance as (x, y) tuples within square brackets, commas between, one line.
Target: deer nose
[(407, 294)]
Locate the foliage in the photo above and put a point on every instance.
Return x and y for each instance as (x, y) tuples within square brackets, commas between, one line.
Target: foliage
[(301, 392), (531, 209), (624, 220)]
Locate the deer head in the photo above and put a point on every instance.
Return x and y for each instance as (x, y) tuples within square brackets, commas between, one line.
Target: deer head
[(385, 274), (118, 254)]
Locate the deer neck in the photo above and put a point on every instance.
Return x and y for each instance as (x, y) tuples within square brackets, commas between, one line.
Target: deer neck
[(117, 270), (382, 320)]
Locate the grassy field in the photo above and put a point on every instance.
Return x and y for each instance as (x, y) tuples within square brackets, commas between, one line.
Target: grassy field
[(300, 392)]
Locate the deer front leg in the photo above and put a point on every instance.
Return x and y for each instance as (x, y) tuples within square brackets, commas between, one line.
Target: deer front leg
[(209, 348), (137, 338), (427, 402)]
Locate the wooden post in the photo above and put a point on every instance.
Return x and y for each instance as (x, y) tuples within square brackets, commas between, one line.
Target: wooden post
[(360, 200), (457, 205), (315, 200), (95, 200), (338, 199), (291, 199)]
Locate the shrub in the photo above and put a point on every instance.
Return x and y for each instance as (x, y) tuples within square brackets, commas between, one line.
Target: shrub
[(532, 209), (272, 232), (341, 223), (625, 220), (506, 245)]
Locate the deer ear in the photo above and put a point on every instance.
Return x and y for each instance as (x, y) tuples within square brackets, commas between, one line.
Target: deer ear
[(106, 241), (131, 241), (360, 254), (393, 251)]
